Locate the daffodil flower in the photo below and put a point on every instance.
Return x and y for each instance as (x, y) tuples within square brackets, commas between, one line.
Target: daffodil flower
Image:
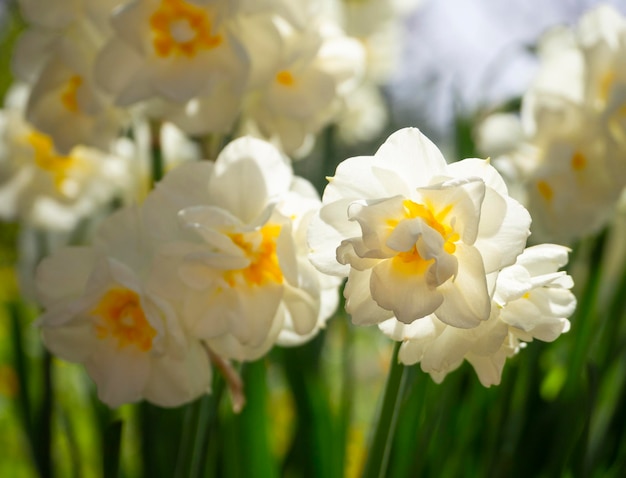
[(532, 300), (100, 311), (416, 236), (172, 49), (233, 250)]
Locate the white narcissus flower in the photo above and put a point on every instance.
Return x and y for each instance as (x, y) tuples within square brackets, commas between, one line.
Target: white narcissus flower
[(416, 236), (45, 188), (101, 312), (233, 250), (55, 55), (172, 49), (532, 300), (569, 161), (298, 89)]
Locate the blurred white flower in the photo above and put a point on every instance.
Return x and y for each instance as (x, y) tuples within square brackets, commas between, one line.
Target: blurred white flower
[(568, 162), (301, 86), (100, 311), (47, 189), (463, 55), (233, 233), (55, 55), (173, 49), (532, 300), (416, 236)]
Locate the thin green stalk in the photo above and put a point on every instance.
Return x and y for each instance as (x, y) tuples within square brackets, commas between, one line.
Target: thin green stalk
[(347, 387), (314, 450), (584, 318), (253, 424), (380, 447), (609, 342), (156, 153), (111, 449), (43, 442), (19, 359), (72, 445), (185, 447), (207, 418)]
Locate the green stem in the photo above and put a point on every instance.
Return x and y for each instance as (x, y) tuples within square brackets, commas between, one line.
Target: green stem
[(253, 424), (44, 420), (156, 153), (347, 387), (19, 359), (207, 418), (111, 449), (186, 444), (584, 317), (380, 447)]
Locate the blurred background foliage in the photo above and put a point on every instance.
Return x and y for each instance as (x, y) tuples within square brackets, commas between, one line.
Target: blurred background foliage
[(558, 412)]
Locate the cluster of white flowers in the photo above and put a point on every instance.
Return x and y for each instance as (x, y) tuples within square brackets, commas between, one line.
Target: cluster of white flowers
[(45, 189), (273, 68), (213, 260), (434, 254), (223, 260), (568, 151)]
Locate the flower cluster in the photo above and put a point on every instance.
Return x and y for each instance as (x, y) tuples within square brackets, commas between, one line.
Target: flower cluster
[(208, 66), (434, 254), (567, 151), (223, 260), (213, 261)]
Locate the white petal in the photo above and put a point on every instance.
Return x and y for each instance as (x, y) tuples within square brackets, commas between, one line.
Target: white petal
[(413, 156), (250, 165), (410, 297), (174, 382), (120, 375), (359, 303), (466, 300), (64, 274)]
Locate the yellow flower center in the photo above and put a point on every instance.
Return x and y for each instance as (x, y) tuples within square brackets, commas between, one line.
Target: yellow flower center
[(411, 261), (285, 78), (606, 84), (68, 97), (122, 318), (545, 190), (260, 248), (49, 160), (180, 28), (578, 161)]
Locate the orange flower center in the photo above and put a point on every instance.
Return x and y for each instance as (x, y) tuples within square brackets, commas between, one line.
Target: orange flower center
[(68, 97), (578, 161), (545, 190), (260, 248), (46, 158), (411, 261), (181, 28), (122, 318), (285, 78)]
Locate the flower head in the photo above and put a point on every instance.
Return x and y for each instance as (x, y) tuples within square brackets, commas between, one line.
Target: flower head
[(532, 300), (44, 187), (102, 312), (416, 236), (233, 232)]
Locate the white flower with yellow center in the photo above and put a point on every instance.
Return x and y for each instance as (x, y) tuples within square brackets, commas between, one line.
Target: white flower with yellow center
[(100, 311), (233, 250), (48, 189), (301, 85), (416, 236), (55, 55), (570, 160), (173, 49), (532, 300)]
